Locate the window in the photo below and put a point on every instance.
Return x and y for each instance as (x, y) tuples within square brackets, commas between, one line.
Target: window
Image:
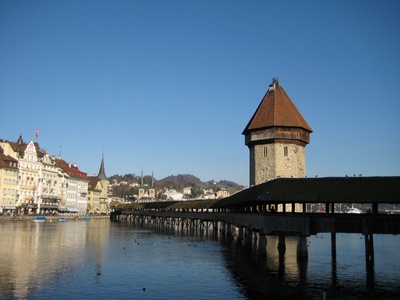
[(265, 151), (285, 151)]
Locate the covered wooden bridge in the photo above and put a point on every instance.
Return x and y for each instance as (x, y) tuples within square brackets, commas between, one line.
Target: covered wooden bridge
[(289, 206)]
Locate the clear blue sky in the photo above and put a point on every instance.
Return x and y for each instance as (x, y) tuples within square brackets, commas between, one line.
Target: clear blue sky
[(169, 86)]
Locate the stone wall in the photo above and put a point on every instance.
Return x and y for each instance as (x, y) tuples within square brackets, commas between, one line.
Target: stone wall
[(275, 160)]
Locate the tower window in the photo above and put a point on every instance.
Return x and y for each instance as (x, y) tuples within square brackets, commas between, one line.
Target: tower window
[(265, 151), (285, 151)]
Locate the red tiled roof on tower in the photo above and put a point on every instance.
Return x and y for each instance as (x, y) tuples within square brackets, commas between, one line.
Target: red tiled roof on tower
[(276, 110)]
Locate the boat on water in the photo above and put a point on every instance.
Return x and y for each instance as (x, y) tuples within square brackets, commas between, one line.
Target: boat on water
[(39, 219), (86, 218), (62, 219)]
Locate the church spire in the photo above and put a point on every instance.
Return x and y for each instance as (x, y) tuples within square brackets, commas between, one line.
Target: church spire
[(102, 172)]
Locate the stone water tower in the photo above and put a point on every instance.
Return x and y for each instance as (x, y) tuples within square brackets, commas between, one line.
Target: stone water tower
[(276, 135)]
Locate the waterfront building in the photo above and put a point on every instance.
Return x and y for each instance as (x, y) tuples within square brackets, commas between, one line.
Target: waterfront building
[(8, 182), (32, 181), (94, 193), (98, 202), (28, 175), (104, 187), (276, 136), (49, 185), (74, 188)]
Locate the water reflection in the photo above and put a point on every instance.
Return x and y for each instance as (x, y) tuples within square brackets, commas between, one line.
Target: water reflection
[(33, 255), (281, 275), (100, 259)]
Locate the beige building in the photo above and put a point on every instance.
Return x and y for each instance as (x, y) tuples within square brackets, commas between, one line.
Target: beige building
[(223, 193), (8, 182), (29, 168), (40, 183), (49, 185), (276, 136), (94, 193), (98, 202)]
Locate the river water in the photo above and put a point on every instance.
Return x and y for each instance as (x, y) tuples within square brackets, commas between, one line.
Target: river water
[(99, 259)]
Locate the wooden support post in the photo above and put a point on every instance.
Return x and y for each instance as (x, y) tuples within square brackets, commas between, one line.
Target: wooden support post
[(228, 229), (374, 208), (215, 227), (240, 233), (262, 243), (369, 248), (248, 237), (333, 246), (302, 250), (281, 243), (223, 224)]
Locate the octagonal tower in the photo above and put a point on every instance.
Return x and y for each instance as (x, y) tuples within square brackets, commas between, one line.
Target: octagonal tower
[(276, 135)]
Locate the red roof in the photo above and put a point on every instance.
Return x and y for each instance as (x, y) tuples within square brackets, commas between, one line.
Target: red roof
[(276, 110), (70, 169)]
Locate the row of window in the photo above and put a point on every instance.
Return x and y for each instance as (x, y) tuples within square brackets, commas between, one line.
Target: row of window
[(285, 151), (8, 181), (10, 192)]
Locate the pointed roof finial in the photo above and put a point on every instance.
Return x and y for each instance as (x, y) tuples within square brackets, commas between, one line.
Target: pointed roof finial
[(102, 172)]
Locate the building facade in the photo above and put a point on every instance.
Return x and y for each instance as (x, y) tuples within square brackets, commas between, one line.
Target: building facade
[(8, 183), (98, 200), (33, 182), (276, 136), (74, 188)]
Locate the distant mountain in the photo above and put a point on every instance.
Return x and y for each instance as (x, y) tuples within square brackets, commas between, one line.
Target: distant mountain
[(180, 181)]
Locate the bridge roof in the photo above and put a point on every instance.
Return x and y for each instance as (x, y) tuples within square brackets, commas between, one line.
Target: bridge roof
[(191, 204), (299, 190), (320, 190)]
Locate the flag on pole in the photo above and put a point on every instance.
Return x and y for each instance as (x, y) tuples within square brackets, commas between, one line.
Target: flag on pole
[(37, 133)]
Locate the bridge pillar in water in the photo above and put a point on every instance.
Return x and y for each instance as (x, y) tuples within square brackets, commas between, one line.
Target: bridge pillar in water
[(215, 227), (302, 249), (262, 243), (222, 227), (240, 233), (281, 243), (333, 246), (228, 229), (369, 248), (248, 237)]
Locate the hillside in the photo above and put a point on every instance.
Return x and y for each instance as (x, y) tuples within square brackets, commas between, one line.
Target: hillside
[(177, 182)]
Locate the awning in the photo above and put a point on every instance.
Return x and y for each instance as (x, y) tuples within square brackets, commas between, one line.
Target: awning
[(53, 206), (73, 210), (62, 209)]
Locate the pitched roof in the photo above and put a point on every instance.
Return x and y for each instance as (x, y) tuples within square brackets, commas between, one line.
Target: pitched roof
[(93, 181), (321, 190), (7, 162), (276, 110), (70, 169), (102, 172)]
